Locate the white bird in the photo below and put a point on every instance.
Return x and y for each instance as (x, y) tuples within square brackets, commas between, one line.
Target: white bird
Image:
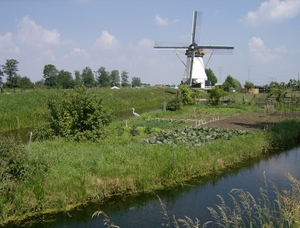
[(134, 113)]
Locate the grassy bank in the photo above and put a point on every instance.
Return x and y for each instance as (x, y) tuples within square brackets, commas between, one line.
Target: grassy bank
[(59, 174), (21, 109)]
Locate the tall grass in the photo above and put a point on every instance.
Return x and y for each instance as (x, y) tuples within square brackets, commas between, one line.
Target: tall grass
[(22, 109), (64, 173), (250, 212)]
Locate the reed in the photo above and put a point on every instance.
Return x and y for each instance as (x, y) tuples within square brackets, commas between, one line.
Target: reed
[(250, 212)]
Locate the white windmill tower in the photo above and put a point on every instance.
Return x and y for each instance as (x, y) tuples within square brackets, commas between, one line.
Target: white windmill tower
[(194, 73)]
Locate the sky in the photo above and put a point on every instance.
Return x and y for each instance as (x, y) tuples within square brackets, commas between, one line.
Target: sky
[(120, 35)]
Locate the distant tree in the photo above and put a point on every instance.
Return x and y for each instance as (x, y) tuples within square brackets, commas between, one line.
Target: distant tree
[(114, 78), (293, 84), (237, 83), (1, 81), (78, 79), (228, 83), (65, 80), (40, 83), (124, 79), (10, 68), (15, 82), (231, 82), (211, 76), (103, 79), (87, 76), (279, 93), (249, 85), (277, 85), (136, 81), (50, 74), (25, 83)]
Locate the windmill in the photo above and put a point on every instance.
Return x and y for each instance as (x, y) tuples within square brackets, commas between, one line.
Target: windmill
[(194, 73)]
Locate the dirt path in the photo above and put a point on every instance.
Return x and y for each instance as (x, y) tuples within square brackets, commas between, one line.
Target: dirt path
[(253, 121)]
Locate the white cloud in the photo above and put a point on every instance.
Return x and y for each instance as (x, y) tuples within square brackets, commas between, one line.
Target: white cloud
[(273, 11), (7, 45), (161, 21), (76, 52), (48, 54), (32, 34), (107, 41), (261, 53), (146, 43)]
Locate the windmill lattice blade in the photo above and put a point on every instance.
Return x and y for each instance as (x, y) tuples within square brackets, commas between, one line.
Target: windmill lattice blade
[(218, 51), (198, 27), (168, 45), (215, 47)]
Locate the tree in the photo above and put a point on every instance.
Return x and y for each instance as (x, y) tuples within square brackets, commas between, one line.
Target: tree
[(124, 79), (231, 82), (1, 81), (50, 74), (103, 79), (87, 76), (78, 79), (25, 83), (114, 78), (249, 85), (211, 76), (237, 83), (10, 69), (65, 80), (136, 81), (40, 83), (293, 84)]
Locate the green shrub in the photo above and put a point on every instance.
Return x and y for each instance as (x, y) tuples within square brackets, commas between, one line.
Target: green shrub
[(148, 130), (174, 105), (13, 159), (77, 115), (134, 131), (187, 98), (216, 94), (13, 164)]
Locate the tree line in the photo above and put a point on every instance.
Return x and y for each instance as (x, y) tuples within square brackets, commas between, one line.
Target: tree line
[(54, 78)]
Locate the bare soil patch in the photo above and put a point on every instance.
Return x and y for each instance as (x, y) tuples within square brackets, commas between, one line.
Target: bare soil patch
[(253, 121)]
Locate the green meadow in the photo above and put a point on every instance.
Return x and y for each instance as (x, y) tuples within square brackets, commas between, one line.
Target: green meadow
[(58, 175)]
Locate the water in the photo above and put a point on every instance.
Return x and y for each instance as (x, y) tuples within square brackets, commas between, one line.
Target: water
[(191, 200)]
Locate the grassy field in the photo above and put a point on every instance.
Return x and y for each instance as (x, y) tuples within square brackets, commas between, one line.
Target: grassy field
[(23, 109), (58, 174), (61, 174)]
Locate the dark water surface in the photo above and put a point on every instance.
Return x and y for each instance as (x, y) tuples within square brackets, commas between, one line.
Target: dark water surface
[(191, 200)]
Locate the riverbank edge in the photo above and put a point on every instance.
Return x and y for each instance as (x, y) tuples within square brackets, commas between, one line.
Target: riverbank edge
[(290, 140)]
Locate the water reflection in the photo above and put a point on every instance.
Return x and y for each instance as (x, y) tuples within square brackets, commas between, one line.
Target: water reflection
[(190, 200)]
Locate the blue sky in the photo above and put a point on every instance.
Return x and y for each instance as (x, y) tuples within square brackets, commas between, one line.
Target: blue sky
[(120, 35)]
